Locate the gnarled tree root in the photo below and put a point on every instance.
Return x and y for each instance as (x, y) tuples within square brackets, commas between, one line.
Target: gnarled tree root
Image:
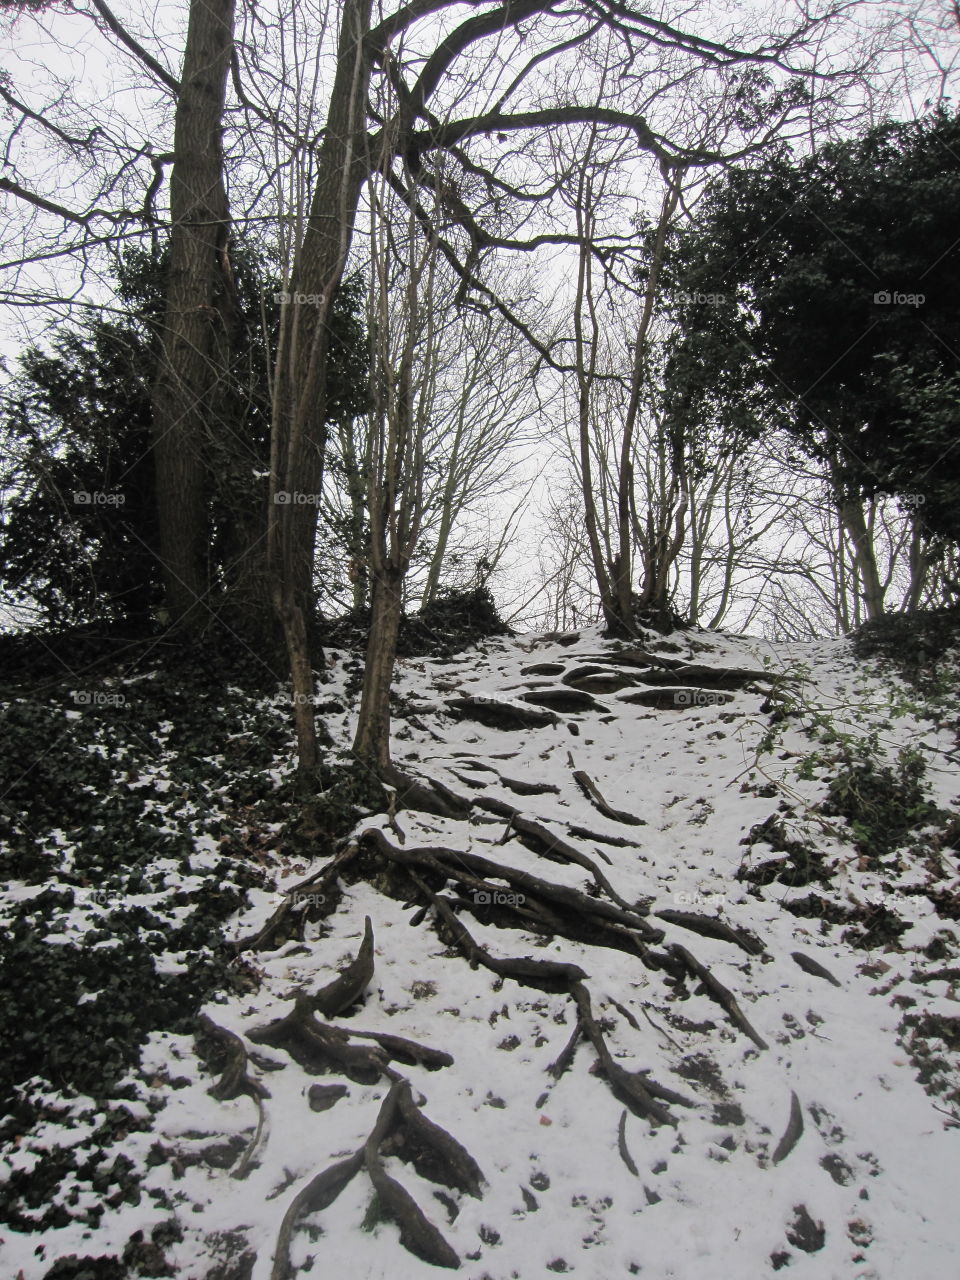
[(452, 864), (289, 918), (547, 975), (347, 989), (320, 1048), (592, 792), (565, 913), (544, 841), (317, 1194), (403, 1130), (501, 713), (425, 795), (632, 1091), (625, 1155), (713, 927), (435, 1154), (234, 1080), (718, 992)]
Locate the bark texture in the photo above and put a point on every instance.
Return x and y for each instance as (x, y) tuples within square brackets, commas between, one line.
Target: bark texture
[(200, 312)]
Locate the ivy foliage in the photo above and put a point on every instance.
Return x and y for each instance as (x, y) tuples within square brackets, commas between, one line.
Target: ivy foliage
[(136, 814)]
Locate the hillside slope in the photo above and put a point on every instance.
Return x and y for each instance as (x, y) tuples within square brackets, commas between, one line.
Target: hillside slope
[(750, 853)]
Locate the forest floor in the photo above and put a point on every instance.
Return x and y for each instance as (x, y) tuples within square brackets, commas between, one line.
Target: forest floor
[(748, 849)]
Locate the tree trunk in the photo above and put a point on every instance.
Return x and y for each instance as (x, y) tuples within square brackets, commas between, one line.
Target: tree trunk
[(622, 577), (443, 536), (871, 588), (200, 310), (357, 539), (586, 359), (920, 561), (300, 408), (372, 743)]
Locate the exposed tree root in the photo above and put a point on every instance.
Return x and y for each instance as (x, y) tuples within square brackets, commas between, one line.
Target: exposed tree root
[(713, 927), (320, 1048), (625, 1155), (590, 790), (633, 1091), (318, 1194), (500, 713), (417, 1234), (540, 838), (427, 796), (234, 1079), (618, 911), (563, 699), (347, 989), (585, 911), (626, 1014), (400, 1049), (792, 1133), (566, 1054), (298, 906), (546, 975), (619, 842), (474, 783), (813, 967), (403, 1130), (717, 991), (636, 658), (551, 845), (434, 1153), (522, 788), (594, 679)]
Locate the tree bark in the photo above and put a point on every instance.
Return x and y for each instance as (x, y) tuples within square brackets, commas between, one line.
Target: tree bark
[(372, 743), (200, 311), (622, 576), (865, 559), (300, 408)]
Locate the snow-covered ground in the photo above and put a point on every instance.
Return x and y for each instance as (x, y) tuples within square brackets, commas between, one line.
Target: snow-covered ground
[(869, 1187)]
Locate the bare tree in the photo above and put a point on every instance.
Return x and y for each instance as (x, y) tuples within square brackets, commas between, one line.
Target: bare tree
[(478, 427), (405, 354), (201, 310)]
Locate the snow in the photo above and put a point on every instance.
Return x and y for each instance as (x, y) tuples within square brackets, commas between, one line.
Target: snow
[(707, 1202)]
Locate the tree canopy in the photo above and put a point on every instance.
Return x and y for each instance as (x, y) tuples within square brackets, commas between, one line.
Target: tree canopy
[(833, 280)]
